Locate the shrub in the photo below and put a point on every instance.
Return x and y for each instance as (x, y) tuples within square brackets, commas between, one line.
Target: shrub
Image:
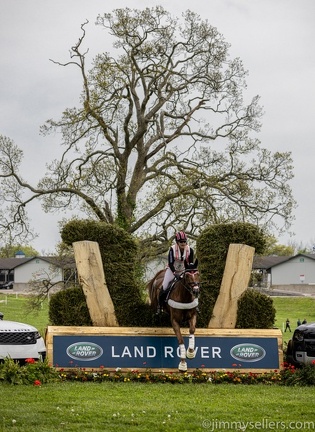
[(255, 310), (32, 372), (68, 308), (38, 373), (304, 375)]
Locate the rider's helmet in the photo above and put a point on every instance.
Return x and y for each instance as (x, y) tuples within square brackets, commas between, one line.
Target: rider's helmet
[(180, 236)]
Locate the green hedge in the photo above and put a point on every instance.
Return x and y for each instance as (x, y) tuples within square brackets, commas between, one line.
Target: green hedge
[(119, 253), (212, 248), (68, 308), (255, 310)]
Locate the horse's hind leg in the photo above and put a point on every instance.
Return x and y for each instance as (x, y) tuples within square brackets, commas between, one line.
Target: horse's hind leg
[(191, 353)]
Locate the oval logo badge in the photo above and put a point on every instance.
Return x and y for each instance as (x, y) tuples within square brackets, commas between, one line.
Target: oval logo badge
[(84, 351), (248, 352)]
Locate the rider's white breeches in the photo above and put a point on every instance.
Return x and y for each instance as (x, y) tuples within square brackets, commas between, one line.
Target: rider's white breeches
[(169, 276)]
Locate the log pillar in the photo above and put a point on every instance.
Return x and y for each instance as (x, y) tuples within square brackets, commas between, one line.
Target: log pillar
[(235, 281), (92, 279)]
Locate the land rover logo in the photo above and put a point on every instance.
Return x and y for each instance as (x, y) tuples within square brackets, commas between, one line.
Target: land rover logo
[(85, 351), (248, 352)]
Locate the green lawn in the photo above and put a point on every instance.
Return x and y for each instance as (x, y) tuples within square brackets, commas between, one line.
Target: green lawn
[(14, 308), (107, 406), (293, 308), (155, 407)]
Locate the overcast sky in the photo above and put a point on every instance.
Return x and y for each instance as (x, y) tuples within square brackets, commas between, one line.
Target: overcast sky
[(274, 38)]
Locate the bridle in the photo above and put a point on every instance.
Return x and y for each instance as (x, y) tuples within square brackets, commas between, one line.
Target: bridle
[(193, 286)]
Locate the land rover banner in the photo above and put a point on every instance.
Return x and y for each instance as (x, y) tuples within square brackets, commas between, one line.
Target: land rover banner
[(163, 352)]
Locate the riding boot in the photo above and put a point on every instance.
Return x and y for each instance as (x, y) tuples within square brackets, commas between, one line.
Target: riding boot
[(162, 298)]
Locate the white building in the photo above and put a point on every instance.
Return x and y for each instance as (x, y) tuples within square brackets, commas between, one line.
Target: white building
[(21, 270)]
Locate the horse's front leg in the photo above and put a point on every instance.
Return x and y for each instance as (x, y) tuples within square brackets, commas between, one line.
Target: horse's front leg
[(182, 365), (191, 353)]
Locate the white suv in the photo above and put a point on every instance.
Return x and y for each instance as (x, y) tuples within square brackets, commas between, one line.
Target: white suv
[(20, 341)]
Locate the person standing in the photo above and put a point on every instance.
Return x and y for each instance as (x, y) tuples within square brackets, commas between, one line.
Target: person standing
[(287, 325), (304, 321), (298, 322)]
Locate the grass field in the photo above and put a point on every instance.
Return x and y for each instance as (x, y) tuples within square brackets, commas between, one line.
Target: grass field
[(74, 406), (14, 308), (293, 308), (155, 407)]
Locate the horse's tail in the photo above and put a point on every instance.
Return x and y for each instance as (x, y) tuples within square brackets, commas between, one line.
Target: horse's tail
[(153, 288), (150, 289)]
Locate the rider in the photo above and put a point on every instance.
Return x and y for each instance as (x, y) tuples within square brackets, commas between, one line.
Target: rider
[(177, 255)]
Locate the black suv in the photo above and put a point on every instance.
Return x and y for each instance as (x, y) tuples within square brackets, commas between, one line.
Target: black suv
[(301, 348)]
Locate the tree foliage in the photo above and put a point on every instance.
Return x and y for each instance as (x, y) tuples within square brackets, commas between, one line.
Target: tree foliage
[(274, 248), (9, 251), (162, 138)]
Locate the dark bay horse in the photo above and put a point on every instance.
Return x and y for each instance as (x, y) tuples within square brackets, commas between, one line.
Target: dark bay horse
[(181, 305)]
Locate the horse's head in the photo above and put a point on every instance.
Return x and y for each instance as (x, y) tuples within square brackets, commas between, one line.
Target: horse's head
[(191, 277)]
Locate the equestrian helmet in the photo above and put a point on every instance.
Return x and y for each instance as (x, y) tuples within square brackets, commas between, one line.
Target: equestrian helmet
[(180, 236)]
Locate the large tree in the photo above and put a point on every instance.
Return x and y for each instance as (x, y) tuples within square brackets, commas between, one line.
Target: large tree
[(162, 139)]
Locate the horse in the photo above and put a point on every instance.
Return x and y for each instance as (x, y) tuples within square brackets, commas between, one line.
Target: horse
[(181, 305)]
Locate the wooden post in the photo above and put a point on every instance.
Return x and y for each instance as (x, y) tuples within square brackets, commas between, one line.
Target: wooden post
[(235, 281), (92, 279)]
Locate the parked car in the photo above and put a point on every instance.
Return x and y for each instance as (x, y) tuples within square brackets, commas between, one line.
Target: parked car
[(20, 341), (301, 348), (6, 285)]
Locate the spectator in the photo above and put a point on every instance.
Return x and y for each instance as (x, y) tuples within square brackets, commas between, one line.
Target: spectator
[(298, 322), (304, 321), (287, 325)]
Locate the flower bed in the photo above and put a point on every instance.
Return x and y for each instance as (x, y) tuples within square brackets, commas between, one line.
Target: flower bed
[(39, 373)]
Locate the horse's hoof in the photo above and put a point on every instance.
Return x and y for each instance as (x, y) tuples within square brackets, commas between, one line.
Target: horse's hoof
[(182, 367), (190, 354)]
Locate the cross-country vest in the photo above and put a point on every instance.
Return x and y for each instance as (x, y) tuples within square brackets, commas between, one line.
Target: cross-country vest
[(179, 258)]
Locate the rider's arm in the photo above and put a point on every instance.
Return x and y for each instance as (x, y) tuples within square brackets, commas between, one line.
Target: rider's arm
[(171, 260)]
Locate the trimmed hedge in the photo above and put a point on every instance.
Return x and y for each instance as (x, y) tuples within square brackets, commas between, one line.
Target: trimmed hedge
[(255, 310), (212, 248), (119, 253), (68, 308)]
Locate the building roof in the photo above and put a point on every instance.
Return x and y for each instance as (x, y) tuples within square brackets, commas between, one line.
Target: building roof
[(266, 262), (12, 263)]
